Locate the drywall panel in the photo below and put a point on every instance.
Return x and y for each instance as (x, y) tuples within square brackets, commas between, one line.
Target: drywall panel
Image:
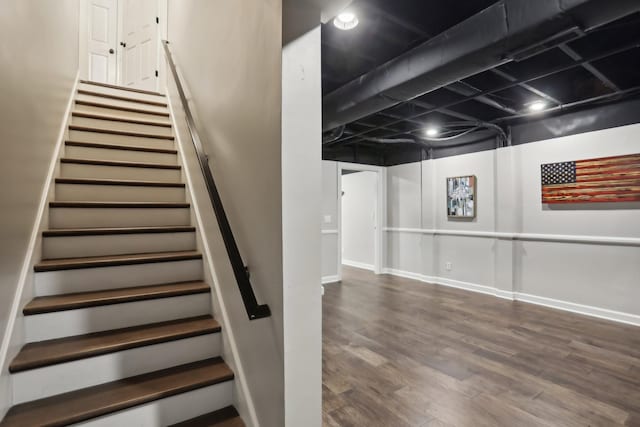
[(404, 204), (482, 165), (594, 275), (329, 219), (615, 219), (466, 259), (330, 195), (301, 207), (359, 199), (404, 252), (230, 56), (39, 57)]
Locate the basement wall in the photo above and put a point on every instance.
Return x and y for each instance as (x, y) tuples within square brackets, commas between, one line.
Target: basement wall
[(582, 257), (230, 56), (38, 67)]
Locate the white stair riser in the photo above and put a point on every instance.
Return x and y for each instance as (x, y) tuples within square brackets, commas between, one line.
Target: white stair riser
[(170, 410), (75, 170), (117, 217), (107, 138), (117, 244), (93, 153), (120, 92), (102, 278), (123, 126), (119, 103), (61, 378), (119, 113), (70, 323), (118, 193)]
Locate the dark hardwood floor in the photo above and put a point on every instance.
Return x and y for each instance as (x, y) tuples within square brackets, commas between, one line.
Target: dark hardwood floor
[(403, 353)]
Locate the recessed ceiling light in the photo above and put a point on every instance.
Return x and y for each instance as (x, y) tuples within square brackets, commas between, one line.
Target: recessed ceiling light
[(432, 131), (537, 106), (346, 21)]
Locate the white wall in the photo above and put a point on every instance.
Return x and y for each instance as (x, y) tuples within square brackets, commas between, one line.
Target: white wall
[(38, 66), (230, 55), (301, 203), (359, 198), (574, 257)]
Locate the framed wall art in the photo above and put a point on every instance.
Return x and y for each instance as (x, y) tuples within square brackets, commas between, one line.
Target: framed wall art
[(461, 197), (606, 179)]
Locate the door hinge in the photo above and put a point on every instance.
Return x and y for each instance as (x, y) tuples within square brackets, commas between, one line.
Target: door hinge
[(157, 20), (156, 73)]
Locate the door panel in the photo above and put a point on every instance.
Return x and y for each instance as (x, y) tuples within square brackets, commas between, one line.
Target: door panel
[(102, 29), (141, 38)]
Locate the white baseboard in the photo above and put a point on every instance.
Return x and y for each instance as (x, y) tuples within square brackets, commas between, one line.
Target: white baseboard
[(357, 264), (601, 313), (587, 310), (330, 279)]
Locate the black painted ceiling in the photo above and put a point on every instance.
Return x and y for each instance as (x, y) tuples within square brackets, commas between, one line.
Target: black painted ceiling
[(390, 28)]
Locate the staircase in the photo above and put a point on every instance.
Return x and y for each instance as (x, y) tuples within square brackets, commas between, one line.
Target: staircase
[(120, 332)]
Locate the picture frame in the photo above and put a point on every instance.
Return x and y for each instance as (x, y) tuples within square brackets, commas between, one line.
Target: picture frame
[(462, 197)]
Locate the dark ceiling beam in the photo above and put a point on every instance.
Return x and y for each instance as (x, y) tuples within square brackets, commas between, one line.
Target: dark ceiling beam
[(397, 117), (398, 21), (479, 43), (527, 87), (444, 111), (465, 89), (355, 52), (550, 72), (590, 68)]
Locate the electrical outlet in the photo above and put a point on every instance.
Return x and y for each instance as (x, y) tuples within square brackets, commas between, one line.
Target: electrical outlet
[(448, 266)]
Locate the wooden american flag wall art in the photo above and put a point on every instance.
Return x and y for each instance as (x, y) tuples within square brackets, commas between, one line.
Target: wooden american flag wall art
[(607, 179)]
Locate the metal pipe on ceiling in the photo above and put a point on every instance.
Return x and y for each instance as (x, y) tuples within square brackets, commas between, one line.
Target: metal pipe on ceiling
[(506, 30), (633, 45)]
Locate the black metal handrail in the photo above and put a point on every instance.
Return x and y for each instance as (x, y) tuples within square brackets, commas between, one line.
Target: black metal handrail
[(240, 271)]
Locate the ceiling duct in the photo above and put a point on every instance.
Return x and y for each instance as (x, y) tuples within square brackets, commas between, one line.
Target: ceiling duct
[(506, 31)]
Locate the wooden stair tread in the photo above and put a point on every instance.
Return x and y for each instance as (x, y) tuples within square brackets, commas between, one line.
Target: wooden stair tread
[(67, 160), (130, 89), (225, 417), (120, 182), (120, 132), (121, 98), (73, 232), (120, 147), (54, 303), (114, 260), (121, 108), (91, 402), (119, 119), (61, 350), (119, 205)]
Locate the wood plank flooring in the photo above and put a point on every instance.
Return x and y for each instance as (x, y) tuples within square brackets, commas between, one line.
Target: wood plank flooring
[(403, 353)]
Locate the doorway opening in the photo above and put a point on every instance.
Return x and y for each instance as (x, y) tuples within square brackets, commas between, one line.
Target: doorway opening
[(360, 202), (120, 42)]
